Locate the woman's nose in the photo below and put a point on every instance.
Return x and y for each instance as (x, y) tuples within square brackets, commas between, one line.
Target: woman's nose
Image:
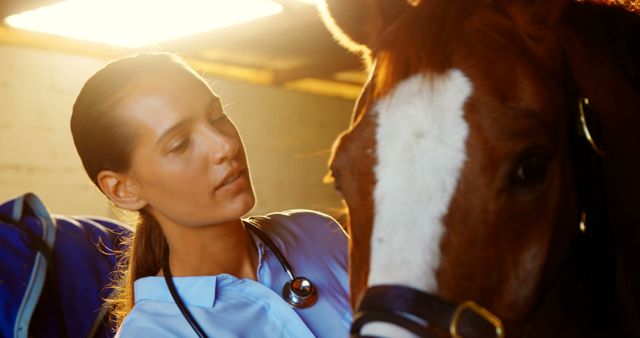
[(223, 147)]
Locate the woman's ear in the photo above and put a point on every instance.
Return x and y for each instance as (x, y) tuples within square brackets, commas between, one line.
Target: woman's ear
[(122, 189)]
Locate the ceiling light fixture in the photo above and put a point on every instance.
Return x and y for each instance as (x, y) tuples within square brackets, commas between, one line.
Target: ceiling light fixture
[(136, 23)]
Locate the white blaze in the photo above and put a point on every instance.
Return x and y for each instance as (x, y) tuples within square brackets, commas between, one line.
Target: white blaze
[(421, 136)]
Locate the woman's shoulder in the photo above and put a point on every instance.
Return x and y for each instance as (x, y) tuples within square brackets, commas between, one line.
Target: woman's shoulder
[(138, 323), (314, 244), (299, 221), (301, 225)]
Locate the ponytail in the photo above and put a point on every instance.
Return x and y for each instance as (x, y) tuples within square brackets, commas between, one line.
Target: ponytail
[(142, 258)]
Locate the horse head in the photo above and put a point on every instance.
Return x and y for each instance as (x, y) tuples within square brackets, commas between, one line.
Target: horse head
[(466, 170)]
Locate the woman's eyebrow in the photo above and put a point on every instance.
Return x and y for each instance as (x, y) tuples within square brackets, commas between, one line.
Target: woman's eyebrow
[(214, 105), (173, 128)]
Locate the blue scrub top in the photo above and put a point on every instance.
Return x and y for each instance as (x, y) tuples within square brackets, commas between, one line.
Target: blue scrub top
[(225, 306)]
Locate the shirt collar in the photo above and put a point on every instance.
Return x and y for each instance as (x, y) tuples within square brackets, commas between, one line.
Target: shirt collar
[(195, 290)]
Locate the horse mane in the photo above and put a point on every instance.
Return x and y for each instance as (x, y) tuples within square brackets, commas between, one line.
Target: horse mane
[(415, 40), (630, 5)]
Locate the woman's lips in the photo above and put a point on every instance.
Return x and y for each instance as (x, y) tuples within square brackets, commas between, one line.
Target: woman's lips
[(235, 182)]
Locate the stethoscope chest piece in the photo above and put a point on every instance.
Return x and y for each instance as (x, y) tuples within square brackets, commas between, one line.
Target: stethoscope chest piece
[(300, 293)]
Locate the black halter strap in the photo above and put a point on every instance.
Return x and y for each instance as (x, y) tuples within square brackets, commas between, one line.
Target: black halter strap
[(421, 313), (429, 316)]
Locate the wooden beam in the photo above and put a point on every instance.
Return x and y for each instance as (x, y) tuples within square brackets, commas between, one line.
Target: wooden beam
[(320, 69), (17, 37)]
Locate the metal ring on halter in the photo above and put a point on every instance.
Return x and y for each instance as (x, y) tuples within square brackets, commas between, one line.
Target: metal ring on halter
[(583, 101), (583, 222), (480, 311), (414, 3)]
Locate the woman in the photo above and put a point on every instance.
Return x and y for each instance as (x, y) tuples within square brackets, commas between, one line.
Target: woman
[(155, 139)]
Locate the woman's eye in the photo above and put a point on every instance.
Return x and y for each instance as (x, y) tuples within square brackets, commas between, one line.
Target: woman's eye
[(179, 146), (531, 168)]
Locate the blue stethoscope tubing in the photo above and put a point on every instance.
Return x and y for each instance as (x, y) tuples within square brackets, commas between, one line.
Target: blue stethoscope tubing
[(299, 292)]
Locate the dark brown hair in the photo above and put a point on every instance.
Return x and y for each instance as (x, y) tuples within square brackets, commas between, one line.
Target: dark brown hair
[(104, 140)]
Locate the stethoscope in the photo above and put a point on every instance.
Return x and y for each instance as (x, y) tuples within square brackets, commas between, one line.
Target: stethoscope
[(298, 291)]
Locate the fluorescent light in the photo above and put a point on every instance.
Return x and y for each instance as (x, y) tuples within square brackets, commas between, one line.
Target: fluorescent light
[(135, 23)]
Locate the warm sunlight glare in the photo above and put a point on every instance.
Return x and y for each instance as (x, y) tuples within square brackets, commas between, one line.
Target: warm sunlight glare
[(135, 23)]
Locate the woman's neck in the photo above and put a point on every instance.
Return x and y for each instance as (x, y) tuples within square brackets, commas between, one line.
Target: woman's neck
[(211, 250)]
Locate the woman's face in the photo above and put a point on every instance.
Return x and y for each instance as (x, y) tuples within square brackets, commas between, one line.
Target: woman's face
[(188, 163)]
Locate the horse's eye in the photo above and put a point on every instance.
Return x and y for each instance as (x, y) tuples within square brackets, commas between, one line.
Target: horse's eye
[(531, 168)]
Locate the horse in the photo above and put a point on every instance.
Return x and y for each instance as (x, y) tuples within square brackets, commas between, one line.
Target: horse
[(490, 168)]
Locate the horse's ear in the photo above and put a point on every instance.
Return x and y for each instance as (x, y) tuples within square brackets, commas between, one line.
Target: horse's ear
[(356, 23)]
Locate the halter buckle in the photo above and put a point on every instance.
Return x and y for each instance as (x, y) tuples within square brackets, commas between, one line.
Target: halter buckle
[(480, 311)]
